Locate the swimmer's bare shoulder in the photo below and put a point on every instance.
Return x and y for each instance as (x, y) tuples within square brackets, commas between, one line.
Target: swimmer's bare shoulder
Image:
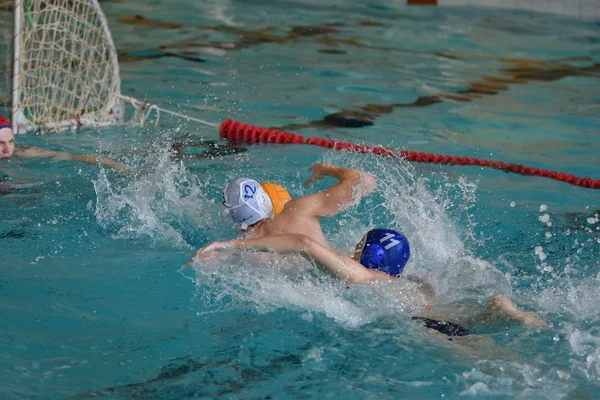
[(293, 220)]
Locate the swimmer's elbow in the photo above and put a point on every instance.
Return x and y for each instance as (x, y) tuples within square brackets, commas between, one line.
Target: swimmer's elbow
[(366, 275), (367, 183), (311, 248), (354, 279), (302, 243)]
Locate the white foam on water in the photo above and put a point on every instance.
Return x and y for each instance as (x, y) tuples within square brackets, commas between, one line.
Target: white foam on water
[(292, 282), (406, 203), (515, 380), (163, 201), (585, 344)]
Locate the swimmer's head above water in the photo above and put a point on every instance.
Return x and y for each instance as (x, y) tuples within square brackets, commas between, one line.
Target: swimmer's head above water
[(7, 139), (246, 202), (383, 249)]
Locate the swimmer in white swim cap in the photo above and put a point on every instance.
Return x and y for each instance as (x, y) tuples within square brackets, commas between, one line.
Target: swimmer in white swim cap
[(246, 202), (380, 256), (251, 210)]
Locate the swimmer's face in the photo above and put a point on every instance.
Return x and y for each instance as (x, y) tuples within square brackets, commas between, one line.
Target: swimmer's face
[(358, 249), (7, 143)]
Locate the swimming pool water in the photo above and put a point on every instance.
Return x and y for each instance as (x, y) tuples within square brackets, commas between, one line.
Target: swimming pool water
[(96, 300)]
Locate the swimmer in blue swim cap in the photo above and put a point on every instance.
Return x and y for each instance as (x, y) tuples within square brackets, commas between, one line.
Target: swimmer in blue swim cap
[(381, 255), (383, 249)]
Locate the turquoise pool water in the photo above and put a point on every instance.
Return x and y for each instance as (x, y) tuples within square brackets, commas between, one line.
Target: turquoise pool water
[(95, 298)]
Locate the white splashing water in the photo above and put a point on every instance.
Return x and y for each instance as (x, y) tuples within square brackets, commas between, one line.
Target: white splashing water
[(422, 213), (293, 283), (427, 216), (437, 253), (164, 202), (515, 380), (585, 344), (289, 283)]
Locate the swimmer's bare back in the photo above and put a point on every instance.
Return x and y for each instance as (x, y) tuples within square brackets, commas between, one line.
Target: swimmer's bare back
[(302, 215)]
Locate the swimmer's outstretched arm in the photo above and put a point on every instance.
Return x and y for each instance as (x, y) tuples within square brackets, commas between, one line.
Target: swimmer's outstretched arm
[(326, 259), (36, 152), (109, 162), (353, 186)]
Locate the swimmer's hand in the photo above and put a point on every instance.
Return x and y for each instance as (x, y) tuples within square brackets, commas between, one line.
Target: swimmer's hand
[(319, 171), (210, 252)]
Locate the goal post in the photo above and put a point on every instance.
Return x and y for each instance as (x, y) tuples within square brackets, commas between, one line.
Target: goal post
[(65, 71), (6, 52), (61, 68), (16, 66)]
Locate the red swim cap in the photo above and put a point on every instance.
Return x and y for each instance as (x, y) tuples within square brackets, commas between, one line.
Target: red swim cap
[(4, 123)]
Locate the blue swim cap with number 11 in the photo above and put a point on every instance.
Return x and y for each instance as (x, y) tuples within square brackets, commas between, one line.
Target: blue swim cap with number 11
[(385, 250)]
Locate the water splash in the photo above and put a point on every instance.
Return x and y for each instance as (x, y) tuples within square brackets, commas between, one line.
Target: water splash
[(585, 345), (289, 282), (404, 200), (428, 215), (434, 213), (163, 202), (515, 379), (293, 283)]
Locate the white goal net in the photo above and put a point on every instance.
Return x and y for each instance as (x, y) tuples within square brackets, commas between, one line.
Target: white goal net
[(64, 71), (60, 68)]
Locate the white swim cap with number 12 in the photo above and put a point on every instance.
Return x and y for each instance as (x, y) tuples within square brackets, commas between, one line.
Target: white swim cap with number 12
[(246, 202)]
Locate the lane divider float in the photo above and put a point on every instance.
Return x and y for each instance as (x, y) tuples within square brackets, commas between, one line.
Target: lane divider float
[(237, 131)]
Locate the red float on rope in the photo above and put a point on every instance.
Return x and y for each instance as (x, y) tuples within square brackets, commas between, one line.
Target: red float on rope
[(233, 130)]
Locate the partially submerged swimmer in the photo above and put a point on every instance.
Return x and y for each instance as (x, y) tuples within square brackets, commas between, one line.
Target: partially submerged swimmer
[(8, 150), (381, 255)]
